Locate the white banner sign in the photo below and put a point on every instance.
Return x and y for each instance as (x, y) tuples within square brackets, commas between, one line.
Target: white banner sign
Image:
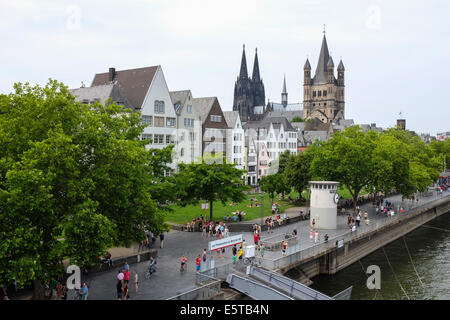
[(225, 242), (205, 206)]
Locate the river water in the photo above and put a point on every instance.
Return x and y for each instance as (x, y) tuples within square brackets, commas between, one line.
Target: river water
[(429, 250)]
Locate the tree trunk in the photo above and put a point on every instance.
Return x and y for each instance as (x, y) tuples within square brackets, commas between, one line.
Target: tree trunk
[(210, 210), (38, 292)]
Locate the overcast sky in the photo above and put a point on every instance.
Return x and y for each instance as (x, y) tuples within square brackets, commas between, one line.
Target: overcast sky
[(396, 53)]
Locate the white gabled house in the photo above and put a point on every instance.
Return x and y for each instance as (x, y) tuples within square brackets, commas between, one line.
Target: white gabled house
[(147, 91), (235, 139)]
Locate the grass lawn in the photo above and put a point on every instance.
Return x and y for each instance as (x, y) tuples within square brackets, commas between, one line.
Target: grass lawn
[(344, 193), (183, 214)]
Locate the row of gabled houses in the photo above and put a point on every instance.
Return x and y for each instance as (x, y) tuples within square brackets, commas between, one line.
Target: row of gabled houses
[(196, 126)]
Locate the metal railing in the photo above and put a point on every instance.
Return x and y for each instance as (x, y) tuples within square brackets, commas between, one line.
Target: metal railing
[(275, 242), (209, 287), (296, 253)]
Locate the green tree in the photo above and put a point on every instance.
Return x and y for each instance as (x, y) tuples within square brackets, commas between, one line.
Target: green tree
[(273, 184), (442, 148), (217, 181), (297, 173), (75, 179), (346, 158), (297, 119)]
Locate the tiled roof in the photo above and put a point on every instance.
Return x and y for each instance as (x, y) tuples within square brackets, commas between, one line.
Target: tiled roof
[(133, 83)]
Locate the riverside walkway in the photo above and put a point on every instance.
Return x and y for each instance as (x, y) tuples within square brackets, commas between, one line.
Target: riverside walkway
[(168, 281)]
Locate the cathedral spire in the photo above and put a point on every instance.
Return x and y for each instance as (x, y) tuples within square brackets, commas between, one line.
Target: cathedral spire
[(243, 73), (256, 76), (321, 70), (284, 94)]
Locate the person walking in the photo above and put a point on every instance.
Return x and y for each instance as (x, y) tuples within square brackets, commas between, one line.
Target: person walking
[(126, 293), (261, 250), (284, 248), (234, 250), (325, 237), (204, 255), (358, 219), (256, 238), (204, 230), (119, 290), (311, 235), (197, 263), (313, 223), (84, 291), (161, 240), (316, 237), (183, 263), (126, 276), (294, 232)]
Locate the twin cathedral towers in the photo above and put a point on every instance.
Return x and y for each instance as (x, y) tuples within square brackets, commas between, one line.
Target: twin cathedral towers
[(323, 94)]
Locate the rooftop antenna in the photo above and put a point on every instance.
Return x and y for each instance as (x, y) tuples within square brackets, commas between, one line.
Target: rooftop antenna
[(324, 29)]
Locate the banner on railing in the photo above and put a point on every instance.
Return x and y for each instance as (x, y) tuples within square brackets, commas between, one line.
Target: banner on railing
[(225, 242)]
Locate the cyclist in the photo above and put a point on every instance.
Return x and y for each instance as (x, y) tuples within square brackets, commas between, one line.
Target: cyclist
[(152, 265), (183, 263)]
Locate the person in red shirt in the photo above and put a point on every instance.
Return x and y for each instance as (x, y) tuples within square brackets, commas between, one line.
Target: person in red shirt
[(198, 262), (126, 276), (256, 238)]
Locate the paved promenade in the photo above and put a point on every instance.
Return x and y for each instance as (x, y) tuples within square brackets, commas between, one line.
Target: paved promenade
[(168, 280)]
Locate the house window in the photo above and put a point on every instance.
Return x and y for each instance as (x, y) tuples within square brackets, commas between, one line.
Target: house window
[(147, 137), (147, 120), (320, 93), (182, 152), (324, 93), (189, 108), (314, 93), (170, 122), (159, 106), (159, 139), (85, 101), (215, 118), (170, 139), (188, 122), (159, 121)]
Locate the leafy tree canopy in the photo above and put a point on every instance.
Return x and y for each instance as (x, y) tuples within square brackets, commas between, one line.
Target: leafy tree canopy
[(75, 179)]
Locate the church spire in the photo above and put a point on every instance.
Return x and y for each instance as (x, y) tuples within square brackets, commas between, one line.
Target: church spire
[(321, 70), (284, 94), (243, 72), (256, 76)]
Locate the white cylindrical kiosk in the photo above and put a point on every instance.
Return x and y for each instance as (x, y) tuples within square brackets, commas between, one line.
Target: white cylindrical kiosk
[(323, 201)]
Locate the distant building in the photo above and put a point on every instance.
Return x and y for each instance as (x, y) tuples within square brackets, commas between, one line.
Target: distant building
[(235, 139), (443, 136), (102, 94), (189, 127), (295, 109), (249, 92), (323, 94), (214, 126)]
